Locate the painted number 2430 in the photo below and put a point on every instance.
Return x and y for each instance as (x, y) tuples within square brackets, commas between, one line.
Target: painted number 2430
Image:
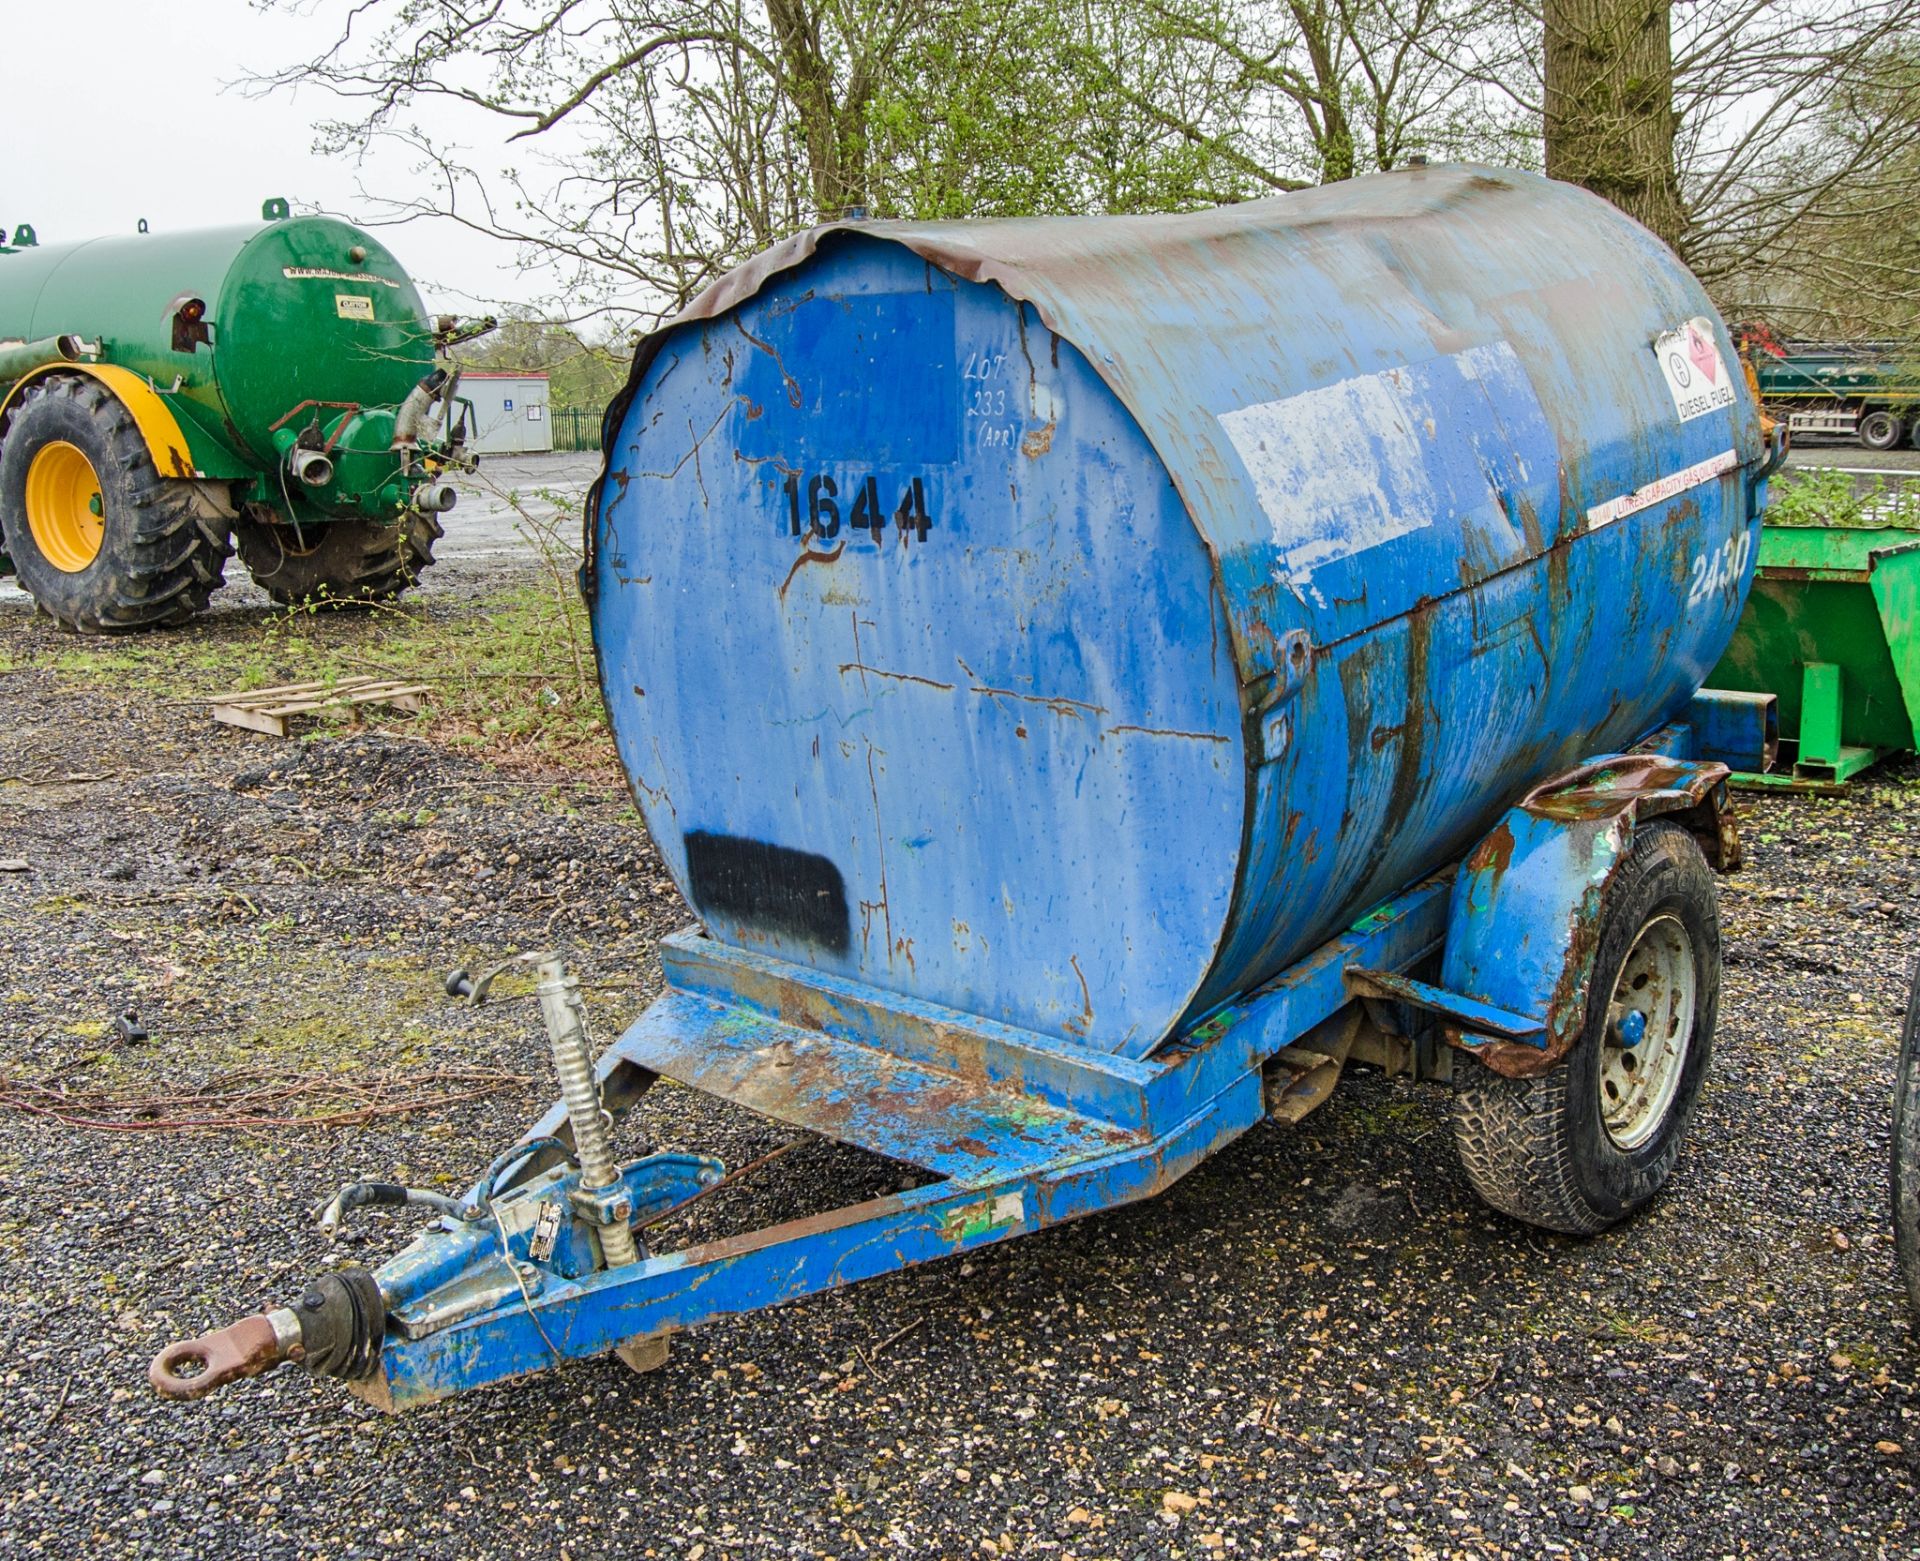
[(1719, 569)]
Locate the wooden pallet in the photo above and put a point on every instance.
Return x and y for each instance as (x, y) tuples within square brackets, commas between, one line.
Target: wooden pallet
[(268, 709)]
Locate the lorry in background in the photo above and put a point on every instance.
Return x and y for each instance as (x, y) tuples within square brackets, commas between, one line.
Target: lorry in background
[(1864, 390)]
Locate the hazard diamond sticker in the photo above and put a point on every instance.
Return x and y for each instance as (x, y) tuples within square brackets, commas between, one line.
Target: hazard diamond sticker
[(1695, 373)]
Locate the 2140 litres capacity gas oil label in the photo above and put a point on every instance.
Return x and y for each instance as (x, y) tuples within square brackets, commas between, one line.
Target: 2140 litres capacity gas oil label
[(813, 508)]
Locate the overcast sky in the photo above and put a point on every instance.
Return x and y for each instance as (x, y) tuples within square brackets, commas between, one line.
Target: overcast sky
[(123, 109)]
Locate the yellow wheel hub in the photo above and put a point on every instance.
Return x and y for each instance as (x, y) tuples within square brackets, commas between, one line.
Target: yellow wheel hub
[(65, 511)]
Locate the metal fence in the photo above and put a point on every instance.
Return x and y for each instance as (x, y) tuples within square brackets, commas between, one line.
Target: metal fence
[(576, 428)]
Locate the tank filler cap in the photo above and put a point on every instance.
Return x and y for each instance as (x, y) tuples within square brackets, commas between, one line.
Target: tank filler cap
[(275, 209)]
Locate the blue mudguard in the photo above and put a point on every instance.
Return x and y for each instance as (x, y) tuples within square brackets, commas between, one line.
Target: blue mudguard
[(1524, 922)]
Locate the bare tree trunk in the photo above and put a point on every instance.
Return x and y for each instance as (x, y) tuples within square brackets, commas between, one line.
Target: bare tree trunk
[(1333, 134), (835, 130), (810, 85), (1609, 106)]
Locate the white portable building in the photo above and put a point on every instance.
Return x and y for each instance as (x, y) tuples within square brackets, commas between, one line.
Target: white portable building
[(509, 413)]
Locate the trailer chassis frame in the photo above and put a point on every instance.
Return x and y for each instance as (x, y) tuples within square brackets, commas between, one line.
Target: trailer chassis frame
[(1017, 1131)]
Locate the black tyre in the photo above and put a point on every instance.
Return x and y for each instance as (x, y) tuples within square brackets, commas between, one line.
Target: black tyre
[(341, 562), (1594, 1138), (99, 539), (1881, 429), (1906, 1152)]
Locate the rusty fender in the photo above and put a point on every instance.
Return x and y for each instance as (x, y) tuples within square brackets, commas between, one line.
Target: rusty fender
[(1525, 920)]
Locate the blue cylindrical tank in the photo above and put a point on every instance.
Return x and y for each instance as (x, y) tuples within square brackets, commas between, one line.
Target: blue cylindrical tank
[(1074, 622)]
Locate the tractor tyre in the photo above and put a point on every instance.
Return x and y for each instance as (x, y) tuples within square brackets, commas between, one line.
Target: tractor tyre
[(338, 563), (1594, 1138), (98, 538)]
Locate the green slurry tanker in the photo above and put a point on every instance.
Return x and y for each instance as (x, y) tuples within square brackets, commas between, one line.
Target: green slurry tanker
[(166, 400)]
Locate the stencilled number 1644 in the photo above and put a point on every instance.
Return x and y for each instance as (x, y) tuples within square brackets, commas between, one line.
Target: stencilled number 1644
[(813, 509)]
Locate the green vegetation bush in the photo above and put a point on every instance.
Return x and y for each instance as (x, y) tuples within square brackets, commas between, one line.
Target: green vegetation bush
[(1828, 498)]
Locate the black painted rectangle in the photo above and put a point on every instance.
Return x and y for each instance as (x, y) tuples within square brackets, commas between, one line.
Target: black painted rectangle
[(792, 894)]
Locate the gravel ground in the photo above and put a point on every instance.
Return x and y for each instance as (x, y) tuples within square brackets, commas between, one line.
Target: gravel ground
[(1318, 1343), (515, 504)]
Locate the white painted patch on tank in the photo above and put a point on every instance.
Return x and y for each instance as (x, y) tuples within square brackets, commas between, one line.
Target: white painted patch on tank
[(1349, 466)]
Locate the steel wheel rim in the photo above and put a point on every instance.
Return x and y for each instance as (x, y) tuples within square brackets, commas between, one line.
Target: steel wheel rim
[(1639, 1078), (65, 510)]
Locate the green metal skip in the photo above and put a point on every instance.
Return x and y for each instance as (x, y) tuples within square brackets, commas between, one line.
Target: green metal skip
[(1832, 626)]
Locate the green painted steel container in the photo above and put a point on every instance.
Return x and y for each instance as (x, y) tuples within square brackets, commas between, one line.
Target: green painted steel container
[(1832, 626), (298, 310)]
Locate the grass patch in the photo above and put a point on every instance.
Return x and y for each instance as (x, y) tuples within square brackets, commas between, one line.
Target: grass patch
[(1865, 1355), (512, 672), (392, 1019)]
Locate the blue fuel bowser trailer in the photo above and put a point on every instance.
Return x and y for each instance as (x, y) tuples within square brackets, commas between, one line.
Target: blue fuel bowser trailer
[(1094, 678)]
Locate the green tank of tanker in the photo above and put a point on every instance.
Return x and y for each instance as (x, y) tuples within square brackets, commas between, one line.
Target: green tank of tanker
[(168, 399)]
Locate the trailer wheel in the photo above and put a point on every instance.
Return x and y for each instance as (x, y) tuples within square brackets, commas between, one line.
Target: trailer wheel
[(1881, 430), (1906, 1151), (340, 563), (1592, 1140), (99, 539)]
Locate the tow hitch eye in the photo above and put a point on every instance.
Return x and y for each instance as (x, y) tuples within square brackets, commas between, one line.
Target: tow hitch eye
[(338, 1327), (193, 1368), (335, 1328)]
